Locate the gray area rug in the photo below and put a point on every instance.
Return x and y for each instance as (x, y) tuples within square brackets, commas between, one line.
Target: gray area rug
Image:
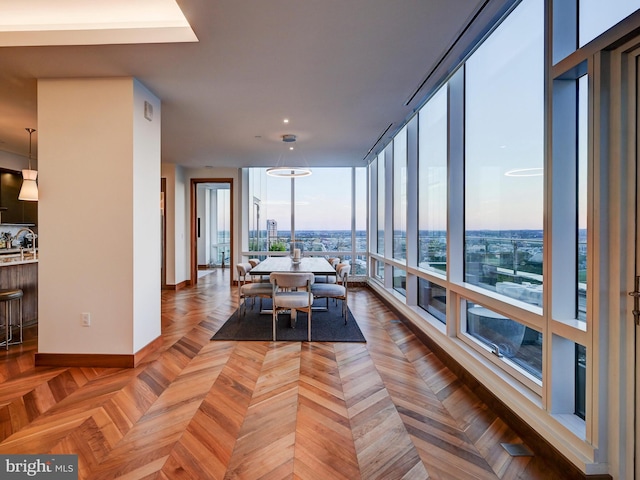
[(326, 326)]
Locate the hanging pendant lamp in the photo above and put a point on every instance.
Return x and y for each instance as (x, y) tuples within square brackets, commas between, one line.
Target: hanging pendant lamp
[(29, 190), (283, 169)]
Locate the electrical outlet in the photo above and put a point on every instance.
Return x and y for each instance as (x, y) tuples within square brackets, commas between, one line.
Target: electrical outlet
[(86, 319)]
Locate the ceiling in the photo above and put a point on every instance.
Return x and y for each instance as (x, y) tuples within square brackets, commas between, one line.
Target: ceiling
[(341, 71)]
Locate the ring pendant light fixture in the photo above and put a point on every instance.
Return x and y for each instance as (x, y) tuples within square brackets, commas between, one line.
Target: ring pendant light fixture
[(285, 171)]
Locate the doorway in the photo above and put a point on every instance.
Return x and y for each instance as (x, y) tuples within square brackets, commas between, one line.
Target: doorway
[(211, 225)]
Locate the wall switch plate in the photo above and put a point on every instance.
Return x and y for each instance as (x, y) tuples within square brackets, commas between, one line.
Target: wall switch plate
[(86, 319)]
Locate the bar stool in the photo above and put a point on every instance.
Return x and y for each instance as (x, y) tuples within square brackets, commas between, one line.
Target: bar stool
[(7, 296)]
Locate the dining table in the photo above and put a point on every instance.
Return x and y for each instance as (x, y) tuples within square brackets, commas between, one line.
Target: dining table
[(315, 265)]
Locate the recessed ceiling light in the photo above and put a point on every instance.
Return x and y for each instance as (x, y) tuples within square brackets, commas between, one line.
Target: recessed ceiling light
[(290, 148), (286, 120)]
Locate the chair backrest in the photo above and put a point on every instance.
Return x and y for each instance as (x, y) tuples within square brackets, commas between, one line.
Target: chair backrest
[(243, 270), (291, 279), (254, 261), (334, 261), (343, 270)]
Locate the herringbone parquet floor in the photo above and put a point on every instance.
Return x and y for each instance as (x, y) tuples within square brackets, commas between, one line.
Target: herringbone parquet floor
[(196, 409)]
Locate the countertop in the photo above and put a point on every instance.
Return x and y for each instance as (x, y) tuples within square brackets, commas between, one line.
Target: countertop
[(13, 257)]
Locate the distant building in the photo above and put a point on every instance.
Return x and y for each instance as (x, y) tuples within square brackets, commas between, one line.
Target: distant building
[(272, 232)]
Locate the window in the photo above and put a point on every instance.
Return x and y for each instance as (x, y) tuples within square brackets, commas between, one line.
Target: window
[(323, 210), (432, 184), (504, 158), (582, 173), (323, 217), (432, 298), (400, 195), (270, 217), (381, 201), (400, 281), (597, 16), (506, 338)]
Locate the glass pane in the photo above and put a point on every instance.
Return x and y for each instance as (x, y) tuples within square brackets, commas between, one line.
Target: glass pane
[(400, 281), (514, 341), (359, 267), (597, 16), (223, 226), (583, 142), (270, 211), (381, 193), (432, 183), (323, 210), (432, 298), (400, 195), (581, 381), (504, 158)]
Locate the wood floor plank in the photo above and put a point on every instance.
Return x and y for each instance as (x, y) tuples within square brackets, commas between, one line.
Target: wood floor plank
[(196, 409)]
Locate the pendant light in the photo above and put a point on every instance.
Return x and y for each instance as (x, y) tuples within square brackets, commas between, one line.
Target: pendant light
[(29, 190), (282, 169)]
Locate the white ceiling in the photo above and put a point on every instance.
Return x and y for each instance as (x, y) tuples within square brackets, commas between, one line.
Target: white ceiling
[(340, 70)]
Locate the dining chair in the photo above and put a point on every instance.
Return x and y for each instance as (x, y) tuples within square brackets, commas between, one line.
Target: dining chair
[(250, 290), (337, 291), (287, 296), (334, 261)]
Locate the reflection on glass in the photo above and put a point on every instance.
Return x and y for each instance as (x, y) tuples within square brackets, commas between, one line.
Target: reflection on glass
[(432, 183), (504, 147), (400, 195), (597, 16), (378, 268), (381, 193), (270, 211), (583, 118), (432, 298), (400, 281), (514, 341)]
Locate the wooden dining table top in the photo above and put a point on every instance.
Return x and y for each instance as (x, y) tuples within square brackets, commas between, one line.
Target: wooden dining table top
[(315, 265)]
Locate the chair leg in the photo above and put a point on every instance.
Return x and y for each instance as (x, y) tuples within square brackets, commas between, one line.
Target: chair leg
[(275, 320), (7, 325), (344, 310), (20, 307)]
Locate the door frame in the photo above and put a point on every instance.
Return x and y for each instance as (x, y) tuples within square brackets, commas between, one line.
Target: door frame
[(194, 223)]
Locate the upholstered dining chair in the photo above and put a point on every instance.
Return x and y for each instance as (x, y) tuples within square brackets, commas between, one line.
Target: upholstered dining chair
[(337, 291), (250, 290), (256, 278), (334, 261), (287, 296)]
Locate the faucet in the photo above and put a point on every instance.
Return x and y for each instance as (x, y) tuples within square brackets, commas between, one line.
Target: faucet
[(29, 232)]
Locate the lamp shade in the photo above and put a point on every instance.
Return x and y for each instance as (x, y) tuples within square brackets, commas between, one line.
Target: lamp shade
[(29, 189)]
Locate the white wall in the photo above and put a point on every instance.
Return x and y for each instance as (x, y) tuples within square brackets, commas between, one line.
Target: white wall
[(146, 218), (18, 162), (178, 216), (89, 161)]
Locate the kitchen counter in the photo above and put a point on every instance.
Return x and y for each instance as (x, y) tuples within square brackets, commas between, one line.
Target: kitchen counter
[(18, 272), (13, 257)]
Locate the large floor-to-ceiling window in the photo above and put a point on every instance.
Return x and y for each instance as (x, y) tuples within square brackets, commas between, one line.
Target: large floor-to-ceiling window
[(322, 214), (493, 202)]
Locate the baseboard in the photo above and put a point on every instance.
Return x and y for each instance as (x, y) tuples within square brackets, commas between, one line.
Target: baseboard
[(178, 286), (96, 360), (565, 468)]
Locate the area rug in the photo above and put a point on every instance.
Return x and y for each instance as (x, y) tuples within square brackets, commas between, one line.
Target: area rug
[(326, 326)]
